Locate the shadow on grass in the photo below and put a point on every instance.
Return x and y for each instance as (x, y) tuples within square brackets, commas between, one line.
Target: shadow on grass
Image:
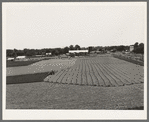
[(136, 108), (28, 78), (20, 63)]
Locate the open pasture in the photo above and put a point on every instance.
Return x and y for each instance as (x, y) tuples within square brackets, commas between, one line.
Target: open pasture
[(103, 71)]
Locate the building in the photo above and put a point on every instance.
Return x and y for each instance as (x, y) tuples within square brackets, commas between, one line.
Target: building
[(78, 51), (131, 48), (20, 57), (10, 59)]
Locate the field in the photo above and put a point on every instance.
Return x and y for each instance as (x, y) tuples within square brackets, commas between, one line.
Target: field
[(26, 62), (100, 71), (101, 82), (42, 66)]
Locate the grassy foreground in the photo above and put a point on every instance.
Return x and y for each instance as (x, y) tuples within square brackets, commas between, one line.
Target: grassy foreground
[(28, 78), (43, 95)]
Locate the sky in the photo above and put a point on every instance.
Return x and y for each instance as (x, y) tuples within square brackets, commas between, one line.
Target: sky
[(50, 25)]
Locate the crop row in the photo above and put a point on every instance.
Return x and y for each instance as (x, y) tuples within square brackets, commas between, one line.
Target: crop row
[(100, 71)]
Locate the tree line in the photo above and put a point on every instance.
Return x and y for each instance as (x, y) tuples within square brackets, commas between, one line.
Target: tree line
[(32, 52), (138, 48)]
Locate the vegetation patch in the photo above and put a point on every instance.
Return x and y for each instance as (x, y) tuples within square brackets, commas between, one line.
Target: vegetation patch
[(141, 63), (20, 63), (28, 78)]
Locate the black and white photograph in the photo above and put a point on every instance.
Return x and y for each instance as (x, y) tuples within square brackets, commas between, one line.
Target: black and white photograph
[(74, 60)]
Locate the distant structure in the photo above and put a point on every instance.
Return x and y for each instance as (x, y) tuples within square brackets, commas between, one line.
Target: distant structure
[(20, 57), (78, 51), (10, 58), (48, 54), (131, 48)]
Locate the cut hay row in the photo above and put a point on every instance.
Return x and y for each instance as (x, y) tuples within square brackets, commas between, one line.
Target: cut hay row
[(100, 71)]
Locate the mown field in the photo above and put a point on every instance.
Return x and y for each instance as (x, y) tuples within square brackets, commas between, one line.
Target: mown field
[(101, 82), (41, 95)]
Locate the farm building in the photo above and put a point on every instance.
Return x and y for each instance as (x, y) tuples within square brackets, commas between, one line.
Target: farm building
[(10, 58), (131, 48), (20, 57), (78, 52)]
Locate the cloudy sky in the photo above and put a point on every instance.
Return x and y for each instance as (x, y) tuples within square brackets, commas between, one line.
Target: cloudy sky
[(50, 25)]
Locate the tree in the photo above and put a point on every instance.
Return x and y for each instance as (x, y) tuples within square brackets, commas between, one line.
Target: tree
[(71, 47), (25, 51), (9, 53), (90, 49), (121, 48), (136, 45), (15, 53), (57, 52), (77, 47), (141, 45), (138, 48), (66, 50)]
